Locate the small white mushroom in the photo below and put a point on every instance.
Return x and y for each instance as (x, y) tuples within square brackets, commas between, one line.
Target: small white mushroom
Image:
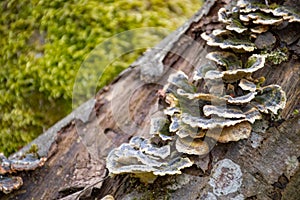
[(24, 162)]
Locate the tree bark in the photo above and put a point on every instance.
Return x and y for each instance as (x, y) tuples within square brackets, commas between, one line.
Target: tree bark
[(76, 148)]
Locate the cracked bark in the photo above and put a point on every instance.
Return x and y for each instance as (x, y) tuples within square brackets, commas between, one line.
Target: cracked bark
[(124, 108)]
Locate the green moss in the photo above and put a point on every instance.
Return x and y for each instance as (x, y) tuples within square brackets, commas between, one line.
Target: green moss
[(149, 191), (277, 56), (33, 149), (43, 44), (271, 6)]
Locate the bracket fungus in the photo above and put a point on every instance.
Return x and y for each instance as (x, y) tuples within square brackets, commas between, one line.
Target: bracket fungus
[(227, 40), (145, 161), (27, 162), (224, 108)]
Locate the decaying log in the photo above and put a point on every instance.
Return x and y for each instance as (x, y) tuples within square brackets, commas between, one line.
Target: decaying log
[(77, 146)]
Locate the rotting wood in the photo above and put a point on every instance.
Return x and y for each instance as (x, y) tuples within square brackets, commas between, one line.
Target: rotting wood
[(71, 167)]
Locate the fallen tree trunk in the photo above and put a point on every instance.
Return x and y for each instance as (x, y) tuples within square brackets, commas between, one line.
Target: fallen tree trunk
[(77, 146)]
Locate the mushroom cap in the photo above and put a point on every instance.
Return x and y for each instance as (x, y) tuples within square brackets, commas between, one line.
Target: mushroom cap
[(175, 123), (209, 123), (29, 162), (247, 98), (224, 16), (270, 98), (157, 124), (254, 63), (226, 59), (165, 137), (4, 164), (200, 96), (264, 19), (140, 160), (226, 40), (200, 72), (247, 85), (150, 149), (180, 79), (108, 197), (174, 166), (172, 111), (223, 111), (244, 18), (192, 146), (8, 184), (252, 113), (287, 13), (219, 99), (232, 133), (172, 100), (259, 29), (187, 131), (24, 163), (237, 26)]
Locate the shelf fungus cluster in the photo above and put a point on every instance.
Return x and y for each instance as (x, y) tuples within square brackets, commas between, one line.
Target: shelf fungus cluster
[(224, 109), (8, 182)]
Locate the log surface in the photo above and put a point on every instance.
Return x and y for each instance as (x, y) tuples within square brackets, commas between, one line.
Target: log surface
[(77, 149)]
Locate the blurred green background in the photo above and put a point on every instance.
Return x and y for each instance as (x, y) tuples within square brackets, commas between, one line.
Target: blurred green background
[(43, 44)]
